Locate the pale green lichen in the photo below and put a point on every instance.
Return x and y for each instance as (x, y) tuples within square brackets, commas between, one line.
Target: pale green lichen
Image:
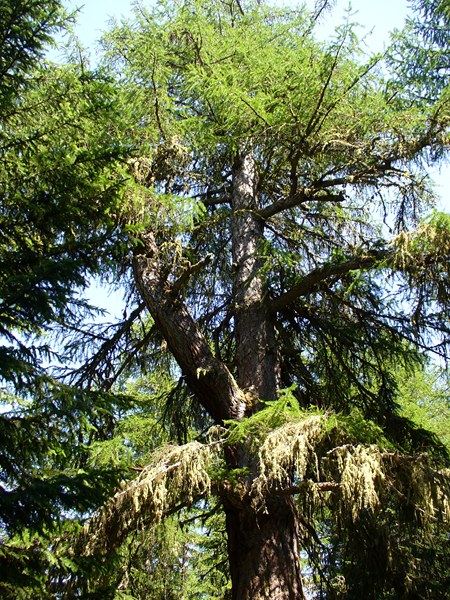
[(178, 474), (287, 448), (361, 476), (292, 459)]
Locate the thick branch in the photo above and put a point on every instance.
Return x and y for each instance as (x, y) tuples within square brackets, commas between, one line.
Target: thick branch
[(300, 197), (207, 377)]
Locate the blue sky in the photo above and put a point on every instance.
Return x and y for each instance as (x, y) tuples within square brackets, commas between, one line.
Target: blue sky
[(381, 16)]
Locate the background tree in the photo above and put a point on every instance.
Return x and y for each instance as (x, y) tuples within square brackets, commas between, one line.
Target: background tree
[(59, 177), (424, 398), (270, 233)]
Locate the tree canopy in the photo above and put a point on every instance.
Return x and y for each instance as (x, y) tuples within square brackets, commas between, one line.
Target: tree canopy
[(264, 200)]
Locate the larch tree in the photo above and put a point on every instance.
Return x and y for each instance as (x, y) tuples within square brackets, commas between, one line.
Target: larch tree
[(272, 234), (275, 205)]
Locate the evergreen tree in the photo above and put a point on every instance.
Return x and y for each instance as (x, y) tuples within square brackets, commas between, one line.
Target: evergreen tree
[(59, 177), (267, 164)]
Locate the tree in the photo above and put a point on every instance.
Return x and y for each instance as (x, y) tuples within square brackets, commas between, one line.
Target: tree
[(56, 188), (263, 157), (427, 74), (424, 399), (271, 235)]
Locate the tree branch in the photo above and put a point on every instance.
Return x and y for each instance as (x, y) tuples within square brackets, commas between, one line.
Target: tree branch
[(207, 377), (304, 195), (187, 274), (322, 486), (311, 282)]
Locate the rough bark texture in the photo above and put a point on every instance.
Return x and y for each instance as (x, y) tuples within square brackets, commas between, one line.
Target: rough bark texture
[(264, 553), (207, 377), (262, 542), (254, 331)]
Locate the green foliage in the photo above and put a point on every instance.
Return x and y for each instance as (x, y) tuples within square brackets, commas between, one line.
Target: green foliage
[(424, 399), (57, 171), (60, 178), (45, 444), (275, 413), (181, 558), (358, 429), (420, 53), (91, 160), (26, 30), (60, 175)]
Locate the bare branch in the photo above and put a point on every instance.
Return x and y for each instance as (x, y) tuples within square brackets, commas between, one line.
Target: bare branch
[(321, 486), (300, 197)]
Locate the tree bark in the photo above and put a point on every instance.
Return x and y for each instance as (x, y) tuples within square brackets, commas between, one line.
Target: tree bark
[(207, 376), (256, 356), (263, 543), (263, 550)]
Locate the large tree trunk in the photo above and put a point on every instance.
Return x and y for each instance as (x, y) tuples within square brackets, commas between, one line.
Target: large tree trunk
[(263, 550), (263, 541), (256, 356)]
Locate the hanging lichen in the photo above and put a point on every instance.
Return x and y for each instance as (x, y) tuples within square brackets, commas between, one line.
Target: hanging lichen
[(179, 474), (352, 477), (419, 485), (424, 258), (288, 449), (312, 456), (362, 475)]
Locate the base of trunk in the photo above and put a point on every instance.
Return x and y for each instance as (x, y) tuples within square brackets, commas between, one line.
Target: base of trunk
[(264, 553)]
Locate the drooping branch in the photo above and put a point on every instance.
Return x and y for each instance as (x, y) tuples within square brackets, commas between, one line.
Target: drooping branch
[(177, 477), (103, 360), (379, 173), (294, 458), (421, 257)]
